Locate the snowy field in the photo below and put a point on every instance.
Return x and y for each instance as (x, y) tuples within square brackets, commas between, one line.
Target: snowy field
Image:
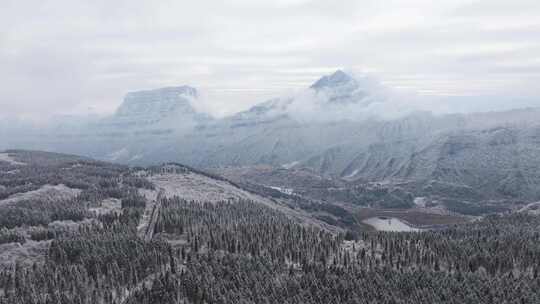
[(197, 187), (288, 191), (389, 224)]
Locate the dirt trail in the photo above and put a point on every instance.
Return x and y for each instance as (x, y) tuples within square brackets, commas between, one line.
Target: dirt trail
[(150, 214), (149, 233), (146, 231)]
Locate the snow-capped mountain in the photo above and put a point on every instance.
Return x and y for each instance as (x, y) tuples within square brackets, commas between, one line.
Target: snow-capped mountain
[(342, 88), (332, 98), (166, 107)]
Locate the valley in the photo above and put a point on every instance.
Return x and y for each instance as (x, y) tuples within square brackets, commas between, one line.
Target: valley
[(389, 224)]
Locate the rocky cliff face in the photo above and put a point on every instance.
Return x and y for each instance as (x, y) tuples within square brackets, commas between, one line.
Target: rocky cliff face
[(165, 106)]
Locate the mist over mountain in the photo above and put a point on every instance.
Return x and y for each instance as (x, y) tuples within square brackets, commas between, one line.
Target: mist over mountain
[(155, 106), (342, 126), (329, 127)]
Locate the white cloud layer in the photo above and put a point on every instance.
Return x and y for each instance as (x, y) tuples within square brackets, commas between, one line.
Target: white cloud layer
[(69, 56)]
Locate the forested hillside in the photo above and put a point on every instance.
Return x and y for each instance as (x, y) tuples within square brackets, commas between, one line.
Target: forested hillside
[(74, 230)]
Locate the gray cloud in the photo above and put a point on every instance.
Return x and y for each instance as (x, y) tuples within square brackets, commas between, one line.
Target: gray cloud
[(68, 56)]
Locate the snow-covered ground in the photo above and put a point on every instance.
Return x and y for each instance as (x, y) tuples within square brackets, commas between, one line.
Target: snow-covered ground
[(420, 201), (290, 165), (197, 187), (47, 192), (389, 224), (288, 191), (352, 174), (5, 157)]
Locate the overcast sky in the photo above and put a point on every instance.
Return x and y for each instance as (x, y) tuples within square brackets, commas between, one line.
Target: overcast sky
[(68, 56)]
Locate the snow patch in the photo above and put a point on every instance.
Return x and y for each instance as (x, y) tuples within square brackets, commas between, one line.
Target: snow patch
[(288, 191), (352, 174), (420, 201), (389, 224), (192, 186), (290, 165)]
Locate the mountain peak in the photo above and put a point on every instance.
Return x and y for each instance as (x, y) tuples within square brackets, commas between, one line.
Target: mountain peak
[(336, 79), (158, 103), (166, 91)]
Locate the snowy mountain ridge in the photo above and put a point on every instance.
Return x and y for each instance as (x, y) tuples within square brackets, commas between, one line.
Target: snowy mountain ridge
[(339, 127)]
